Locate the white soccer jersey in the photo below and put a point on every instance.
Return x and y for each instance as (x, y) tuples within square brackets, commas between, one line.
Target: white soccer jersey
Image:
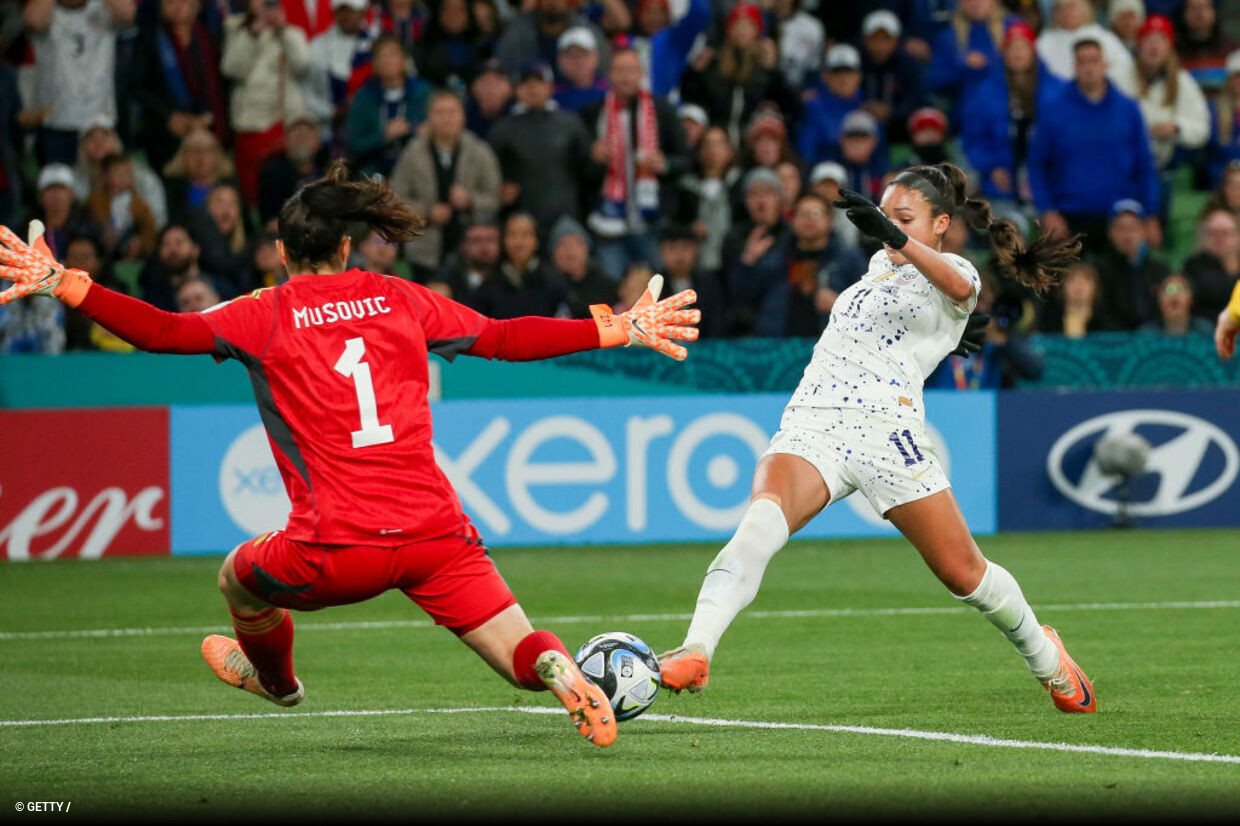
[(886, 335), (75, 62)]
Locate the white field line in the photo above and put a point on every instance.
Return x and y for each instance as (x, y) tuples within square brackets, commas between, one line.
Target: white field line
[(611, 618), (911, 734)]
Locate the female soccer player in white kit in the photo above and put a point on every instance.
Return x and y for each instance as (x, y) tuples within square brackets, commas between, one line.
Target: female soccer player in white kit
[(856, 423)]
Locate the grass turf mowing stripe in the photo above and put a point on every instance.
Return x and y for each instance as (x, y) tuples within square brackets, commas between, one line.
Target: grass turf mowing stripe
[(808, 613), (914, 734)]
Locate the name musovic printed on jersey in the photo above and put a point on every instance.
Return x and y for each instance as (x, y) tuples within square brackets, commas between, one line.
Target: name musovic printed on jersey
[(334, 311)]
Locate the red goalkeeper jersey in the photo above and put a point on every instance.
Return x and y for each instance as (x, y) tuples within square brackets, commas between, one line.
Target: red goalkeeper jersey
[(339, 368)]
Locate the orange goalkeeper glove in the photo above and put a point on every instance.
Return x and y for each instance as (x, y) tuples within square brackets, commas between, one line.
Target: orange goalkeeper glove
[(650, 322), (34, 271)]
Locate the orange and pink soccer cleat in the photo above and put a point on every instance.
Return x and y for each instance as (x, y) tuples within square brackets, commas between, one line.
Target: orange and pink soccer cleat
[(587, 705), (228, 661), (685, 669), (1071, 690)]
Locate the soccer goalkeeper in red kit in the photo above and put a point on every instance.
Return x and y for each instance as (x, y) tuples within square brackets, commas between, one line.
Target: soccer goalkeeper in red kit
[(338, 361)]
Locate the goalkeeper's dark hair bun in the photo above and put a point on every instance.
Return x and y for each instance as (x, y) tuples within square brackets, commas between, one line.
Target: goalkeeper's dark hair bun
[(313, 222)]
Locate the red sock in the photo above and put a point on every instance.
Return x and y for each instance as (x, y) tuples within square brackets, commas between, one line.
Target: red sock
[(526, 654), (267, 639)]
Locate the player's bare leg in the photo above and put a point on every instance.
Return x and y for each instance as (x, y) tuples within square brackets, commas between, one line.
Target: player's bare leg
[(937, 529), (537, 661), (260, 660), (787, 492)]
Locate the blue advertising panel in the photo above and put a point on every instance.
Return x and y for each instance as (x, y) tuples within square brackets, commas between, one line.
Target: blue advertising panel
[(543, 471), (1050, 477)]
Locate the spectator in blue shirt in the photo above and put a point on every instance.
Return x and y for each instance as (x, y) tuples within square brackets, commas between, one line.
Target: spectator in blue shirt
[(837, 93), (667, 45), (386, 110), (999, 116), (1090, 150), (859, 153), (967, 51)]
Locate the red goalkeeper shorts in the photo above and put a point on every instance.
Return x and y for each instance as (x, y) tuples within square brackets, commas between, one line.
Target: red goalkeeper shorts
[(453, 579)]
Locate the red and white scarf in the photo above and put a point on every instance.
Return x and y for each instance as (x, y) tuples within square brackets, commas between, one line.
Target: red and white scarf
[(623, 167)]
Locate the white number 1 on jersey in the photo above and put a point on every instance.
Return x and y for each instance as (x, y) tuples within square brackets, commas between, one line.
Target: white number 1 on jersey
[(351, 365)]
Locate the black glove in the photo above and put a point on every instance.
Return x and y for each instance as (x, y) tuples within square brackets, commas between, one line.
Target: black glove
[(870, 219), (974, 335)]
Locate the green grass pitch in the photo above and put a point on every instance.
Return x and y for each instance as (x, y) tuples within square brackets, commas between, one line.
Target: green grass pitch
[(819, 647)]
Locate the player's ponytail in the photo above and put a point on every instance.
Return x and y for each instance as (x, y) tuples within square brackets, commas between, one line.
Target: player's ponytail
[(1038, 264), (313, 222)]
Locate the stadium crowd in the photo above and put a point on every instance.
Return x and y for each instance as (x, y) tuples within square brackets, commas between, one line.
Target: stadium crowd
[(562, 150)]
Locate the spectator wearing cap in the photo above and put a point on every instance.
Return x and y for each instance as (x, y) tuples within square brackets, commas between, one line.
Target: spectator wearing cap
[(679, 246), (313, 17), (967, 52), (99, 140), (665, 45), (705, 196), (303, 160), (759, 236), (490, 98), (533, 36), (860, 155), (199, 164), (449, 175), (793, 285), (74, 66), (1091, 149), (386, 111), (181, 90), (928, 132), (266, 59), (766, 141), (1174, 108), (339, 64), (541, 151), (826, 180), (63, 216), (1224, 146), (584, 283), (732, 81), (1175, 310), (1127, 274), (577, 61), (1125, 17), (1215, 267), (891, 84), (1074, 19), (801, 42), (998, 117), (475, 260), (1203, 46), (693, 119), (837, 94), (637, 156), (453, 51), (524, 284)]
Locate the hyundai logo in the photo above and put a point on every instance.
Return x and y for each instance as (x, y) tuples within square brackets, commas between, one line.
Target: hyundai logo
[(1176, 461)]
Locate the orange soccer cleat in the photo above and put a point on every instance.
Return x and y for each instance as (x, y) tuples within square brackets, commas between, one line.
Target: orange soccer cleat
[(230, 664), (587, 705), (685, 669), (1071, 690)]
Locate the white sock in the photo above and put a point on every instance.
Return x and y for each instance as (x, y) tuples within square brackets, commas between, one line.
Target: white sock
[(1000, 600), (733, 577)]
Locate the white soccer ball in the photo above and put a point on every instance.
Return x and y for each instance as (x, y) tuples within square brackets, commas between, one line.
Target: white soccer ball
[(625, 668)]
